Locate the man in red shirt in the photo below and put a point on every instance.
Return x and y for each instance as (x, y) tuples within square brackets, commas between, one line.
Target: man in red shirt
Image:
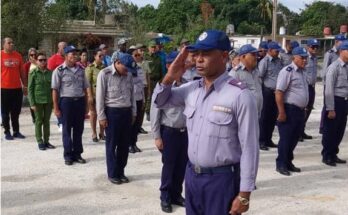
[(12, 79), (57, 59)]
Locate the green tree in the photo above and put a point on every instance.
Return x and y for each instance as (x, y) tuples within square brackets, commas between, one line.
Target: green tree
[(22, 22), (320, 14), (265, 8)]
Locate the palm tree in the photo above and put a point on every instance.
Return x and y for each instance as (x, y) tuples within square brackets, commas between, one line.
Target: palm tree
[(265, 8)]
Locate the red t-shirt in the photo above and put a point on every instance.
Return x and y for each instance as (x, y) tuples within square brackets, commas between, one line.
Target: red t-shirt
[(26, 68), (54, 61), (11, 65)]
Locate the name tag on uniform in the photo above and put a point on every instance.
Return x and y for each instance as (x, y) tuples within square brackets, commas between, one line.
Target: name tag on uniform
[(222, 109)]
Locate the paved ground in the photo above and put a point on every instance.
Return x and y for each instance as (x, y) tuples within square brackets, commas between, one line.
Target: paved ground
[(38, 182)]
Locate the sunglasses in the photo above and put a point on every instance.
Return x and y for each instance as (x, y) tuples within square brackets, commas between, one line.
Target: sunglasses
[(314, 47), (42, 60), (32, 55), (137, 55), (100, 56)]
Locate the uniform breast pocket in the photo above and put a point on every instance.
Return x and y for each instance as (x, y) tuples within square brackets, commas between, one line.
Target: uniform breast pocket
[(219, 124), (189, 112), (67, 81), (113, 92)]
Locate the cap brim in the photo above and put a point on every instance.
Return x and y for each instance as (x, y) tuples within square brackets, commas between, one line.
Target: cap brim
[(198, 47), (254, 51), (302, 55)]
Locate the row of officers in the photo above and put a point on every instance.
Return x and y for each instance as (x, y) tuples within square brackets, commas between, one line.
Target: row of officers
[(209, 130)]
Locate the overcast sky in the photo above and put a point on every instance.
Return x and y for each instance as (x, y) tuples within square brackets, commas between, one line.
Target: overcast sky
[(294, 5)]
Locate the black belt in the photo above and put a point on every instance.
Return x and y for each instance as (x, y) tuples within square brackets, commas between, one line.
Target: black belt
[(181, 130), (73, 98), (214, 170), (295, 106)]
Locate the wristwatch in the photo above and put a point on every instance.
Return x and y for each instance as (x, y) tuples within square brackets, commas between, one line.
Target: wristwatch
[(243, 201)]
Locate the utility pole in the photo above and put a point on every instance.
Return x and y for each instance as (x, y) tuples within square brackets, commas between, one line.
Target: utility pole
[(274, 20)]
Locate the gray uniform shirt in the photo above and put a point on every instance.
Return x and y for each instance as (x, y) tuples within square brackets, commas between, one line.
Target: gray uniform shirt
[(114, 90), (293, 83), (172, 117), (311, 70), (69, 82), (222, 124), (252, 80), (329, 57), (336, 83), (139, 85), (286, 58), (269, 68)]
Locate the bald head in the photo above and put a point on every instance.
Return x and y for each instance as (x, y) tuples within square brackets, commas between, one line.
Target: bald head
[(61, 46), (8, 44)]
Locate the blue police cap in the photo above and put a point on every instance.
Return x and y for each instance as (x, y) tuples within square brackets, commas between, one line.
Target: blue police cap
[(171, 56), (300, 51), (340, 37), (294, 44), (312, 42), (274, 45), (69, 49), (211, 39), (343, 46), (248, 48), (125, 59), (263, 45)]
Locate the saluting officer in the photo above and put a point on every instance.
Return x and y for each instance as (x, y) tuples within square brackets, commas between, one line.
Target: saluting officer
[(69, 82), (292, 98), (247, 72), (286, 57), (222, 129), (311, 75), (269, 68), (170, 134), (115, 107), (336, 101)]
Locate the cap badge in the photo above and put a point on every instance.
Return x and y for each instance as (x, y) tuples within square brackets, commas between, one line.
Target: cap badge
[(203, 36)]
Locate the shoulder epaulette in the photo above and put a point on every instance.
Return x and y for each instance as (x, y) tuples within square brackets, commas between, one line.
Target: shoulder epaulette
[(60, 68), (107, 70), (331, 51), (289, 68), (237, 83)]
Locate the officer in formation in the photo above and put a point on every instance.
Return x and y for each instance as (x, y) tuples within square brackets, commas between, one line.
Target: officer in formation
[(286, 57), (329, 57), (336, 102), (269, 68), (311, 75), (170, 134), (247, 72), (222, 129), (292, 99), (69, 82), (116, 109), (262, 51)]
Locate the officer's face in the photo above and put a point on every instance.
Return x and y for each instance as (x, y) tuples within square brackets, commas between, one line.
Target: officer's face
[(121, 69), (211, 64), (262, 52), (300, 61), (312, 50), (273, 53), (250, 60), (344, 55), (99, 57), (71, 58)]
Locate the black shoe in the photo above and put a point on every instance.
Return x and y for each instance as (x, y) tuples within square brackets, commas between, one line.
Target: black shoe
[(329, 162), (115, 180), (68, 162), (18, 135), (283, 171), (8, 136), (300, 139), (137, 149), (293, 168), (95, 139), (148, 117), (306, 136), (80, 160), (124, 179), (142, 131), (131, 149), (101, 137), (271, 145), (338, 160), (49, 146), (179, 201), (263, 147), (42, 146), (166, 207)]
